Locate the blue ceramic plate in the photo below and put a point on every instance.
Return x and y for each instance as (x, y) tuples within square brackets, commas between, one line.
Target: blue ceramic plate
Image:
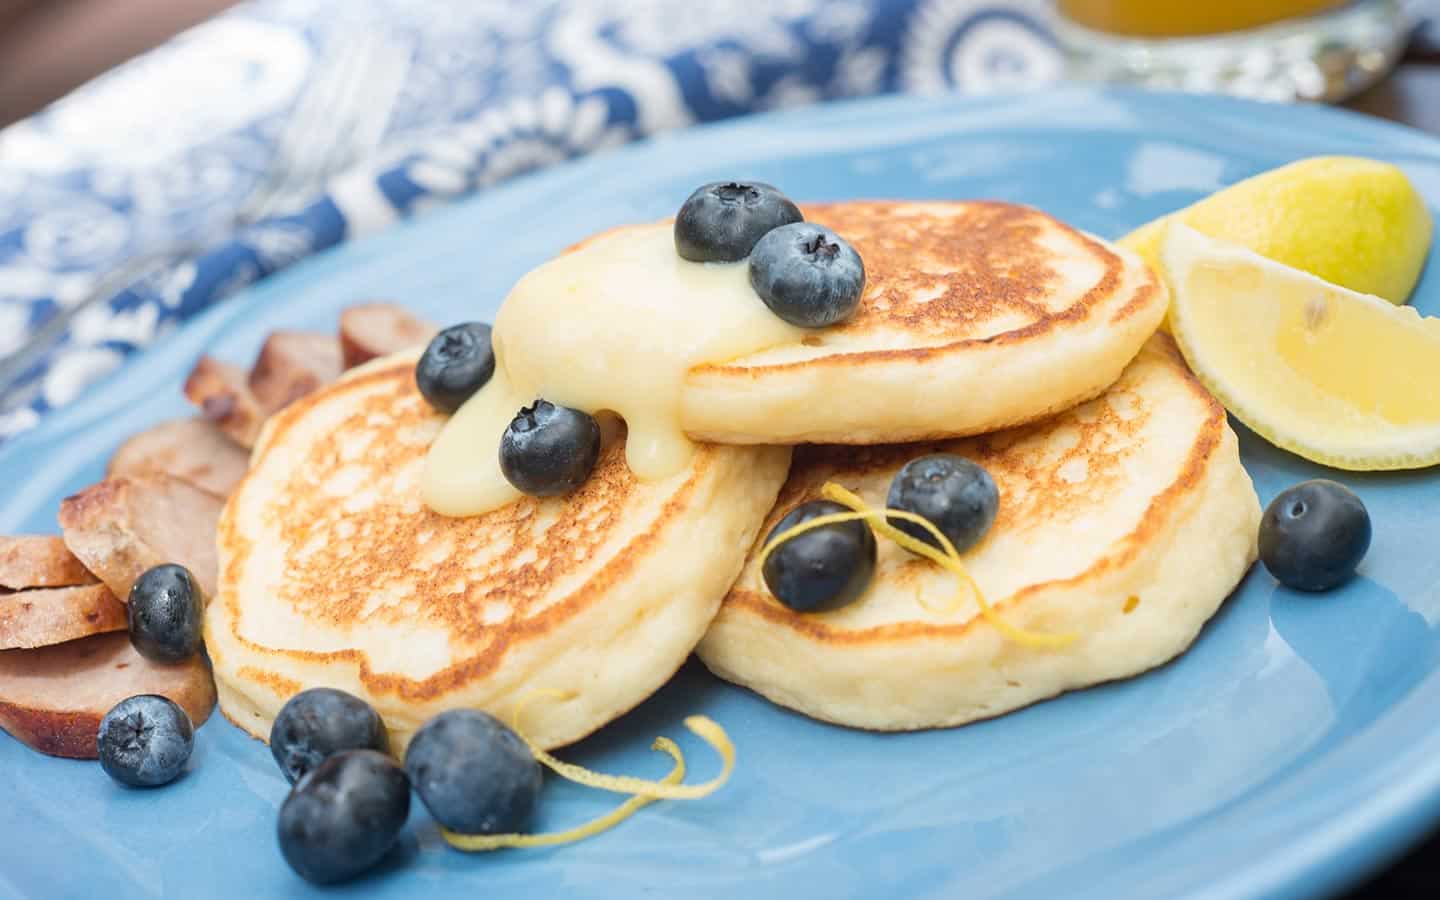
[(1292, 750)]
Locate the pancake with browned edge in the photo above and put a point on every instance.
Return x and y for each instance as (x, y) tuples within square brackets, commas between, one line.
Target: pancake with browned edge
[(334, 572), (976, 316), (1125, 521)]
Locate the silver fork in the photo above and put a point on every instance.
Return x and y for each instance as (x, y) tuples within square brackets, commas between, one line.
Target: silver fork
[(338, 118)]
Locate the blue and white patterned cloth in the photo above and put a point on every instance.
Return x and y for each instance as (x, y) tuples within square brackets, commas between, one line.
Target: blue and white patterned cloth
[(458, 96)]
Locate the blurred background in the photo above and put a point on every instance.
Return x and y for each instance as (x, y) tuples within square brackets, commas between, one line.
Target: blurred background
[(1331, 49), (158, 155)]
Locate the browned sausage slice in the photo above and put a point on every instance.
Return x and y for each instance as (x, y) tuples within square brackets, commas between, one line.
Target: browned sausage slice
[(292, 364), (192, 450), (53, 699), (39, 560), (41, 617), (125, 525), (222, 392), (371, 330)]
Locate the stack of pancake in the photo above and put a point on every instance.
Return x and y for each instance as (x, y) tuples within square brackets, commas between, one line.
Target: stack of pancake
[(986, 329)]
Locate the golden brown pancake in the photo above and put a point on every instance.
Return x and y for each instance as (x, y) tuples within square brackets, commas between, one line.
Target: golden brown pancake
[(976, 316), (333, 571), (1125, 521)]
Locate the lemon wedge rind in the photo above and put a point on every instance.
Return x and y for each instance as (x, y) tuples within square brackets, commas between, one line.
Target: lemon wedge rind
[(1340, 378)]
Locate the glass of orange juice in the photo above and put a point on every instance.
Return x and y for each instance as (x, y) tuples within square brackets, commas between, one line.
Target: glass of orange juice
[(1269, 49)]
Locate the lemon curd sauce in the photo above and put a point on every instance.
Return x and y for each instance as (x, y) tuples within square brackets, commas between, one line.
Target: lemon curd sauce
[(613, 325)]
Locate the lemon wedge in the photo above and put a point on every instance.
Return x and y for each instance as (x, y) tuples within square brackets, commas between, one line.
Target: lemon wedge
[(1338, 377), (1355, 222)]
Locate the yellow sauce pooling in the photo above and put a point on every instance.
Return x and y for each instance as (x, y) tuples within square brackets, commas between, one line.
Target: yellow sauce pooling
[(613, 325)]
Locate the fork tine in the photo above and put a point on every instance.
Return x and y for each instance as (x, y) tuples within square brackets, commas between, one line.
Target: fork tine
[(389, 79), (364, 90), (310, 131)]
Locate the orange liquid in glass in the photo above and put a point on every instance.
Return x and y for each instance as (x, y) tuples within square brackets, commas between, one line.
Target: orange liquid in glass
[(1146, 18)]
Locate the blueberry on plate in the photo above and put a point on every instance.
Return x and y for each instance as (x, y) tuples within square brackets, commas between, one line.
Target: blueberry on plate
[(808, 275), (145, 741), (958, 497), (475, 775), (823, 569), (457, 363), (549, 450), (165, 614), (722, 220), (316, 723), (342, 818), (1313, 535)]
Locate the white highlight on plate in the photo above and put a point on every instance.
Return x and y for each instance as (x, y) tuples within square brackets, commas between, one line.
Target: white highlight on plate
[(790, 851), (1158, 167)]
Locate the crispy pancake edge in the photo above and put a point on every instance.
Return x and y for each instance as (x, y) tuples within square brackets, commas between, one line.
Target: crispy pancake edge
[(825, 214), (835, 214), (1162, 506), (447, 680)]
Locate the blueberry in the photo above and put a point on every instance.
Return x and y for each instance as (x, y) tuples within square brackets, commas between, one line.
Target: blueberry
[(549, 450), (474, 775), (808, 275), (823, 569), (1314, 534), (145, 741), (165, 613), (344, 816), (958, 497), (458, 362), (316, 723), (722, 220)]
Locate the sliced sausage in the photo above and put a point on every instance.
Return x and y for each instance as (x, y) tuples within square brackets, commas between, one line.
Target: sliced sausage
[(193, 450), (292, 364), (39, 560), (222, 393), (53, 699), (371, 330), (41, 617), (125, 525)]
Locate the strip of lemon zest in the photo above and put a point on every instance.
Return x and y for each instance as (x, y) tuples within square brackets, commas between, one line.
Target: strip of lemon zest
[(947, 557), (642, 792), (705, 728), (473, 843)]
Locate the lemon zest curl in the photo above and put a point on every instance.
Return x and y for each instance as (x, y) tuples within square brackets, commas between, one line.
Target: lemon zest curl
[(643, 792), (947, 557), (473, 843)]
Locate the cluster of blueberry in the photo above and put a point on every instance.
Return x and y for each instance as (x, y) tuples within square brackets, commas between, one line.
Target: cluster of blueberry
[(830, 566), (351, 798), (145, 741), (546, 450), (1313, 536), (806, 274)]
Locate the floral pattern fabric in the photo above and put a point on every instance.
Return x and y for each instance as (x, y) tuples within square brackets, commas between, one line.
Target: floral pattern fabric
[(343, 117)]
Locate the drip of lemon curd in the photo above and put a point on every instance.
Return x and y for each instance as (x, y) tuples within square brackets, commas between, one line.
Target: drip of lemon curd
[(613, 325)]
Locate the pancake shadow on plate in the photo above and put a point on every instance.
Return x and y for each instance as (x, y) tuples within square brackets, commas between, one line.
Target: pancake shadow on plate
[(1367, 646)]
